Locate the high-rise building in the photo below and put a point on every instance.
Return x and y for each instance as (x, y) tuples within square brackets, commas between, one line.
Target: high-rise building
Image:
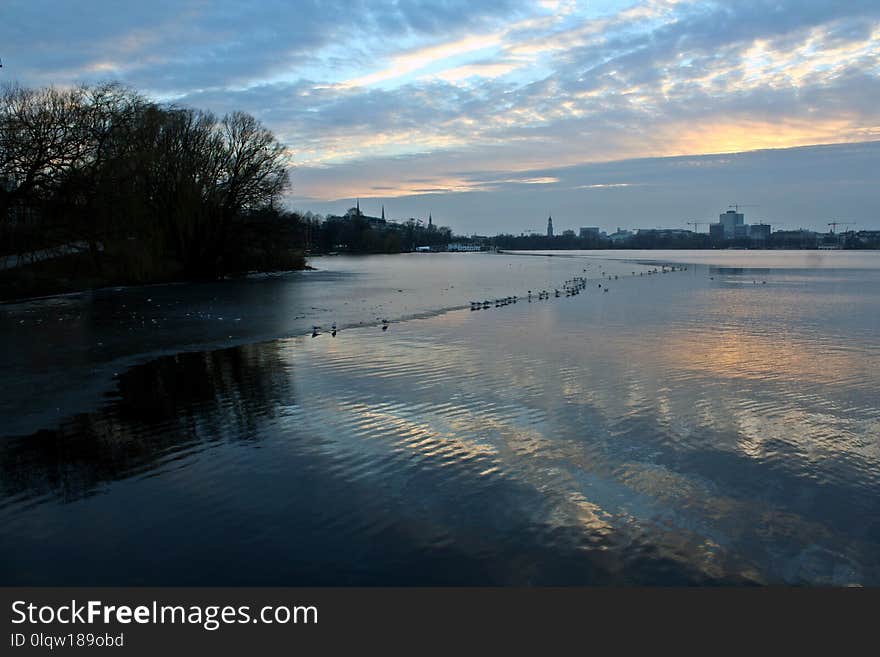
[(589, 231), (730, 220), (549, 226)]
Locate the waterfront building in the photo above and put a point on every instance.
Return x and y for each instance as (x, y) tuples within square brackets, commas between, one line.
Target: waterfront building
[(590, 231)]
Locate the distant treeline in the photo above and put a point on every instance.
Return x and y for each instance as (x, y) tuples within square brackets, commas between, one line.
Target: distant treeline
[(126, 190)]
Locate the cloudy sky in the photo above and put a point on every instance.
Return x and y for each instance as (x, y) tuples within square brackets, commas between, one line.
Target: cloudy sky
[(493, 114)]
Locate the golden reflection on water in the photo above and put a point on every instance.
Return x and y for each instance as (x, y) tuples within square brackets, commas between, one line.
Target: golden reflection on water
[(579, 402), (726, 427)]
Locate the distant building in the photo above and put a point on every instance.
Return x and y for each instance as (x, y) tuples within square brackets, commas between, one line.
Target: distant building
[(549, 226), (797, 239), (759, 232), (733, 221), (458, 247), (865, 236), (568, 233), (665, 232), (732, 226), (589, 231), (620, 236)]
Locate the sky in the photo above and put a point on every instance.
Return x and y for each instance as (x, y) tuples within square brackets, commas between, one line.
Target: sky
[(493, 115)]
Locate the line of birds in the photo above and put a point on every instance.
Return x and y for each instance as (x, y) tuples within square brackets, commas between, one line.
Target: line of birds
[(316, 330), (570, 288)]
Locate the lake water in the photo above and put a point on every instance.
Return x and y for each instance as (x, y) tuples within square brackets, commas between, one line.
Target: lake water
[(714, 425)]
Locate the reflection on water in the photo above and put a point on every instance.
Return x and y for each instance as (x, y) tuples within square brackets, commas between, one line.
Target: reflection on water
[(87, 338), (694, 427)]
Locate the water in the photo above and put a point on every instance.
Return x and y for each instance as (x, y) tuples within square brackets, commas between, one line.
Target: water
[(90, 338), (718, 425)]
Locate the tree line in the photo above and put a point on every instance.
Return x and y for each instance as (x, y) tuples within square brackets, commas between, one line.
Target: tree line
[(134, 191)]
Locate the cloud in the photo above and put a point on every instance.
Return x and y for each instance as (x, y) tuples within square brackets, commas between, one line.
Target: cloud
[(789, 188), (462, 98)]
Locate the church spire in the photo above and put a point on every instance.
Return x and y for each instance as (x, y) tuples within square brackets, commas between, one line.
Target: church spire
[(430, 220), (359, 207), (383, 212), (549, 226)]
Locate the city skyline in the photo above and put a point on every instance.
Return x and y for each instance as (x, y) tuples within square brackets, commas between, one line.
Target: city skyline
[(711, 185), (497, 115)]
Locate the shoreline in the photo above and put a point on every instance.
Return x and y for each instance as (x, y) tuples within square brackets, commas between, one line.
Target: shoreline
[(134, 286)]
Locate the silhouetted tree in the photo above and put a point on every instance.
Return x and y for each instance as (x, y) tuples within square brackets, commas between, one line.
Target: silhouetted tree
[(152, 189)]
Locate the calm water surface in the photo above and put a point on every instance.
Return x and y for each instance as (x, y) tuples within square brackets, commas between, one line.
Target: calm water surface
[(715, 425)]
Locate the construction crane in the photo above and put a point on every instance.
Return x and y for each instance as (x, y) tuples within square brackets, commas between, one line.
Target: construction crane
[(737, 206), (697, 224), (835, 224)]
